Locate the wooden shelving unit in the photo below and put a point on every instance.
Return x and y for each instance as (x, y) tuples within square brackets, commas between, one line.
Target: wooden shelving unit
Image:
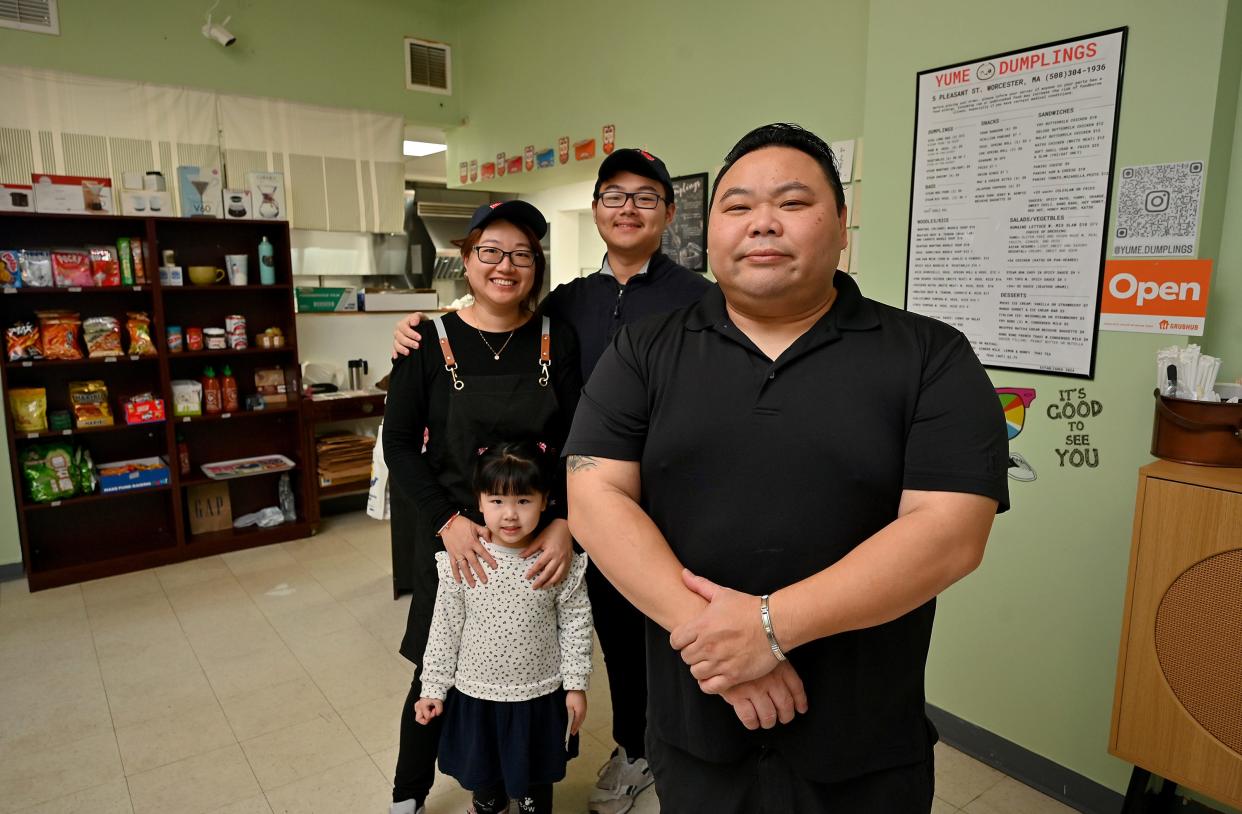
[(91, 536)]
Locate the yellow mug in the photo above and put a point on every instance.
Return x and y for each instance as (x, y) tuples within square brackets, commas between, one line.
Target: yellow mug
[(205, 275)]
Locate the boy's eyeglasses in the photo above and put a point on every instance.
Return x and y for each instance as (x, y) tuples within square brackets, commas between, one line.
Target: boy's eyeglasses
[(492, 256), (642, 200), (1014, 401)]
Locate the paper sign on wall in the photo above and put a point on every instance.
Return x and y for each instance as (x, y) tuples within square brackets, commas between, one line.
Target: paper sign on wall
[(844, 151), (1155, 296), (1158, 210)]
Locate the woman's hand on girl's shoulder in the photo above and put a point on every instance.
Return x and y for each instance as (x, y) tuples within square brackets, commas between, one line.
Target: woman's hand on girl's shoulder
[(555, 547), (576, 704), (465, 551)]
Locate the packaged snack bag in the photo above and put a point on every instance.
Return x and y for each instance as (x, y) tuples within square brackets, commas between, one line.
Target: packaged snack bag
[(59, 331), (138, 324), (89, 401), (47, 471), (36, 268), (102, 335), (10, 268), (72, 269), (28, 405), (21, 341), (82, 472), (105, 268)]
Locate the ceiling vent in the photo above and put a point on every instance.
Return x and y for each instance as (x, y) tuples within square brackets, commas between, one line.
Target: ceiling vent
[(436, 209), (428, 65), (30, 15)]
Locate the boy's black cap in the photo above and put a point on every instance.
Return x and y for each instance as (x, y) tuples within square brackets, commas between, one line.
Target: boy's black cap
[(512, 211), (639, 162)]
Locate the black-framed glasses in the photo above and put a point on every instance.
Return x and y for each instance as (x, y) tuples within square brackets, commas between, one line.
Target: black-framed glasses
[(617, 199), (522, 258)]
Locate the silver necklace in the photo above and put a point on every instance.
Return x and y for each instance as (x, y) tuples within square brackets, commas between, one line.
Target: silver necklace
[(496, 353)]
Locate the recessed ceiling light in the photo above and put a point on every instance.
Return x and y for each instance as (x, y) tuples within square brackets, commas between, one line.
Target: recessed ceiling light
[(418, 149)]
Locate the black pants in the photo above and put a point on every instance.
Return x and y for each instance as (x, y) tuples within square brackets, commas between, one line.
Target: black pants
[(765, 783), (622, 633), (416, 757)]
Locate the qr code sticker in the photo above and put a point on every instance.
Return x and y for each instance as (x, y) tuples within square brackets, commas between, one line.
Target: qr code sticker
[(1160, 201)]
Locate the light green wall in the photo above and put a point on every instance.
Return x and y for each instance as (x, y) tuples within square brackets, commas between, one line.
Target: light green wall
[(316, 51), (681, 79), (1027, 646)]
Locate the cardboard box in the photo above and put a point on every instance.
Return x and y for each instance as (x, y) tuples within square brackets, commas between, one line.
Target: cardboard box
[(377, 299), (270, 384), (144, 412), (327, 299), (17, 198), (198, 190), (147, 203), (210, 508), (126, 476), (171, 275), (267, 194), (76, 194), (237, 205)]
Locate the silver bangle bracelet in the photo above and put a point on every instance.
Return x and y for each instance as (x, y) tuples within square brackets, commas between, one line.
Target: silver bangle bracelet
[(766, 617)]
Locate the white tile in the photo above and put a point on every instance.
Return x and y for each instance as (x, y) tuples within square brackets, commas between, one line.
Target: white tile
[(1011, 797), (341, 647), (258, 559), (196, 785), (353, 788), (227, 635), (960, 778), (283, 589), (16, 601), (308, 749), (354, 683), (313, 621), (53, 708), (170, 738), (110, 798), (139, 583), (376, 724), (137, 699), (181, 575), (251, 805), (253, 671), (31, 778), (273, 708)]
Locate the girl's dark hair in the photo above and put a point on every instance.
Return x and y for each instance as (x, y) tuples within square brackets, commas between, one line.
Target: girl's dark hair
[(512, 468), (783, 134), (467, 244)]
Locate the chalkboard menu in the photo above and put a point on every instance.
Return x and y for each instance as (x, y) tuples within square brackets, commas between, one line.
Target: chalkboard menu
[(685, 239)]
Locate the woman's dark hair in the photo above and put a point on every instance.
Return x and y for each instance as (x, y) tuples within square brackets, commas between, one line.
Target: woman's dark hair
[(513, 468), (467, 244), (782, 134)]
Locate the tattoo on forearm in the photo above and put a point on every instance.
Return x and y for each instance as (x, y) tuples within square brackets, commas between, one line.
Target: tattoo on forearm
[(577, 463)]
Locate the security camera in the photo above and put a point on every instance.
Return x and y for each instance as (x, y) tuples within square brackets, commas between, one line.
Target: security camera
[(217, 32)]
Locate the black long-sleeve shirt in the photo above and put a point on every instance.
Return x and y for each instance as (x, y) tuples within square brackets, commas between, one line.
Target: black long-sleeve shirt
[(418, 397)]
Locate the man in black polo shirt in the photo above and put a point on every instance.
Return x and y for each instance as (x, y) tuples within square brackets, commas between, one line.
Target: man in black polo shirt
[(633, 204), (786, 469)]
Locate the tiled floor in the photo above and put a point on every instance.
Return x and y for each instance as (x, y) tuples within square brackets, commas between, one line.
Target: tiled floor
[(260, 681)]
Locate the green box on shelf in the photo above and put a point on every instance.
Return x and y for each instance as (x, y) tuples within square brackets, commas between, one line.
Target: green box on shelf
[(312, 299)]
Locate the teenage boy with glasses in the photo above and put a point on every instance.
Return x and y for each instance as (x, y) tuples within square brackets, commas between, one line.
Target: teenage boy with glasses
[(633, 205)]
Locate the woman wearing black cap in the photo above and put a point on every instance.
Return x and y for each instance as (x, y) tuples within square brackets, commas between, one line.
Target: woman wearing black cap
[(499, 372)]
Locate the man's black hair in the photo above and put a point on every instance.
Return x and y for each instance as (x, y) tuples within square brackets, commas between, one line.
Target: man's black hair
[(782, 134)]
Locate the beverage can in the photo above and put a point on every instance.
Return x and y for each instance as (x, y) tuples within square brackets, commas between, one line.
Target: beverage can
[(235, 329), (194, 338)]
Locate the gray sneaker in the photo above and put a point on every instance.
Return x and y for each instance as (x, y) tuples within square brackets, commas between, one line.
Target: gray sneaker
[(406, 807), (620, 782)]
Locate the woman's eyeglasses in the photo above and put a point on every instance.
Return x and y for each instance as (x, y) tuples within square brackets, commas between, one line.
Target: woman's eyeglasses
[(642, 200), (1014, 401), (491, 255)]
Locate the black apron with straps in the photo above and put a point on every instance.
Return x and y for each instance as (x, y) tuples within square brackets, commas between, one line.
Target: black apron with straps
[(482, 410)]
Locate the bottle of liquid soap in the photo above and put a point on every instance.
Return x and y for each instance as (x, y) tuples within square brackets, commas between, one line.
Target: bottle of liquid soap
[(267, 263), (228, 391), (211, 391)]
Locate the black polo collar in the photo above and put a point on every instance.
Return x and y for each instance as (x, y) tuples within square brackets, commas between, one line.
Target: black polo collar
[(851, 311)]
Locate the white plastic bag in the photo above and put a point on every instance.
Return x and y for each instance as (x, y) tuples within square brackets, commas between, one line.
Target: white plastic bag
[(377, 496)]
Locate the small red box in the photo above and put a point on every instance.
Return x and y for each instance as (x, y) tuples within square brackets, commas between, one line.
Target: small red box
[(144, 412)]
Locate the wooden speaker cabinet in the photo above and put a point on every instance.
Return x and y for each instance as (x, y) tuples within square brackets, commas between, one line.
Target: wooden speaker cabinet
[(1177, 707)]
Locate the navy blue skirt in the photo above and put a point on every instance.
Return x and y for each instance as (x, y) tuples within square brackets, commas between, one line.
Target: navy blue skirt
[(515, 744)]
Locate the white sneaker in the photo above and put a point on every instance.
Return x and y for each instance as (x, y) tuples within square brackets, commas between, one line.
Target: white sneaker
[(621, 780), (406, 807)]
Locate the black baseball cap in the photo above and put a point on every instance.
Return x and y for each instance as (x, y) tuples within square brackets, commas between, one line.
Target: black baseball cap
[(639, 162), (513, 211)]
